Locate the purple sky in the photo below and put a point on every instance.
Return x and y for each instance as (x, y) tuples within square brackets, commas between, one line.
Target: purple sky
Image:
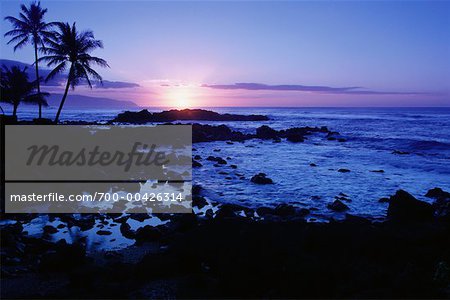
[(187, 54)]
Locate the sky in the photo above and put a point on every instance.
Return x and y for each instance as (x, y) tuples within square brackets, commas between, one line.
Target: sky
[(271, 53)]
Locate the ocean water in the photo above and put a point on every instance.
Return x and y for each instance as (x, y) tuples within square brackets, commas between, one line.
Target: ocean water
[(372, 135)]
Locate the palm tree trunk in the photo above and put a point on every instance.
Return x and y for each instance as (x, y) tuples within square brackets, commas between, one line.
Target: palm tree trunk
[(15, 109), (37, 77), (64, 96)]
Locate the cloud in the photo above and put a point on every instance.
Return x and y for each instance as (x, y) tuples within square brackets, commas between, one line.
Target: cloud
[(115, 85), (354, 90)]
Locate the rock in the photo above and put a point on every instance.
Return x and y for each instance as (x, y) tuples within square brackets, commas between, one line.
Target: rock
[(263, 211), (295, 138), (196, 164), (261, 179), (196, 189), (377, 171), (266, 133), (312, 165), (303, 212), (226, 211), (344, 170), (384, 200), (125, 230), (197, 157), (284, 210), (400, 152), (144, 116), (221, 161), (404, 207), (209, 213), (147, 233), (199, 202), (104, 232), (338, 206), (217, 159), (233, 166), (352, 219), (209, 133), (48, 229), (140, 217), (437, 193)]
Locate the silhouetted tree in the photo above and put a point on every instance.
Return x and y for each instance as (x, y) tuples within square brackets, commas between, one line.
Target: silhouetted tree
[(70, 49), (30, 27), (15, 88)]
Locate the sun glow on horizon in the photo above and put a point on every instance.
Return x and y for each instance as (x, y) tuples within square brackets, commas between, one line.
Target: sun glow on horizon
[(180, 96)]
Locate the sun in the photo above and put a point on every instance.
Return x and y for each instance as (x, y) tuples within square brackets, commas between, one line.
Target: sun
[(180, 97)]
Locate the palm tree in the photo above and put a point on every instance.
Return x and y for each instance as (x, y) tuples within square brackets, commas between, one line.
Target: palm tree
[(16, 88), (69, 49), (30, 27)]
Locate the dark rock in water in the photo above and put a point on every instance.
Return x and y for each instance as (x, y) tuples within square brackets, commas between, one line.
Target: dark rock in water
[(437, 193), (199, 202), (221, 161), (284, 210), (338, 206), (303, 212), (230, 143), (60, 226), (209, 213), (48, 229), (404, 207), (86, 222), (43, 121), (295, 138), (209, 133), (233, 166), (144, 116), (125, 230), (261, 179), (266, 133), (344, 170), (400, 152), (377, 171), (140, 217), (312, 165), (217, 159), (104, 232), (196, 164), (384, 200), (147, 234), (356, 220), (197, 157), (263, 211), (226, 211), (216, 150), (196, 189)]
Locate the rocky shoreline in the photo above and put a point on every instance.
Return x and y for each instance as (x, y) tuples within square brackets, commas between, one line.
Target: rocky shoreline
[(227, 250), (234, 251)]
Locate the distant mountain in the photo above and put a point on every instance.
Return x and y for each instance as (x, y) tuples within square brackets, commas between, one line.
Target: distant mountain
[(80, 101), (76, 101), (43, 72)]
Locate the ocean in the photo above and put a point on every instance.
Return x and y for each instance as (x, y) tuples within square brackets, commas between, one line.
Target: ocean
[(372, 135)]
